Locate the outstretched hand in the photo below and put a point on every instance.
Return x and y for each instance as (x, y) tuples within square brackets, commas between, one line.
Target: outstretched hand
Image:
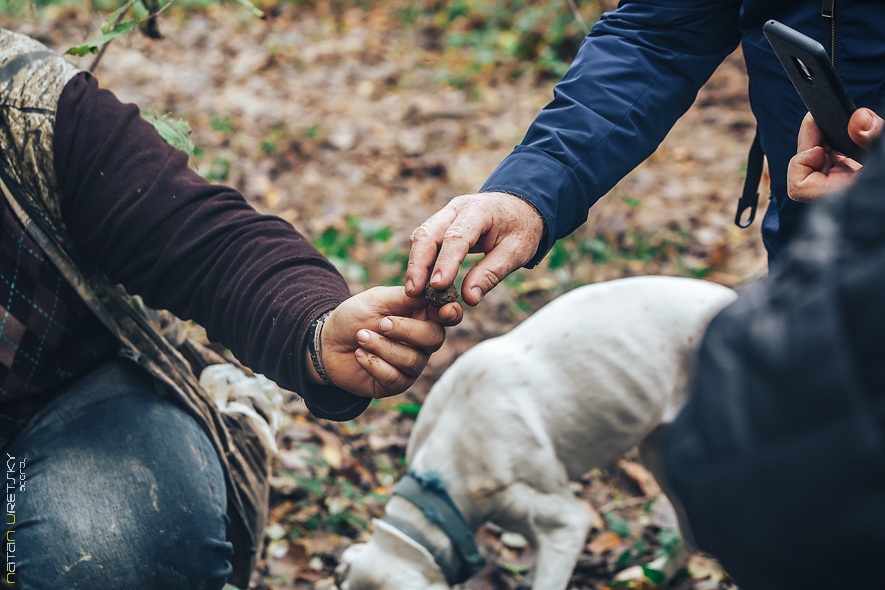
[(376, 343), (505, 228), (818, 169)]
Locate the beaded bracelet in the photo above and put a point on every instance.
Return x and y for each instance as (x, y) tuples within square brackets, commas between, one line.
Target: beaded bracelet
[(314, 346)]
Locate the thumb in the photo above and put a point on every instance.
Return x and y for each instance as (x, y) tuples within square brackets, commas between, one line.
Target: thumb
[(864, 127), (394, 301)]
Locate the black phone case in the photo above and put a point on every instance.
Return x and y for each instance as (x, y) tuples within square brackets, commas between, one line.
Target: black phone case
[(808, 66)]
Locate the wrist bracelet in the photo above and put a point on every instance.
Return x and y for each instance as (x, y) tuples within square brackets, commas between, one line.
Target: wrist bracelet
[(315, 348)]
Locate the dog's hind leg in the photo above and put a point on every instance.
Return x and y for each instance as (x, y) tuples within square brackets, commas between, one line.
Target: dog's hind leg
[(556, 524), (561, 526)]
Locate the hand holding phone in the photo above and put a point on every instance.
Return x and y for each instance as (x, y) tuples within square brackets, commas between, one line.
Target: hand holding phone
[(815, 79), (818, 169)]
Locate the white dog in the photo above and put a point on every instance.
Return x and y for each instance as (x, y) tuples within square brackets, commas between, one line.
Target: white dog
[(588, 377)]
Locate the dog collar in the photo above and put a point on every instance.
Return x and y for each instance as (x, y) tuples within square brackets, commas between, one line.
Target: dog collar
[(428, 493)]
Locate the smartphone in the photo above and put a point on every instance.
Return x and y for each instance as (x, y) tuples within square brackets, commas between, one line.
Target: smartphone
[(814, 77)]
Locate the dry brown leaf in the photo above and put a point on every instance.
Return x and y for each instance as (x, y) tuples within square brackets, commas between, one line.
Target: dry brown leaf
[(356, 473), (332, 449), (321, 543), (278, 512), (605, 541), (641, 476), (310, 575)]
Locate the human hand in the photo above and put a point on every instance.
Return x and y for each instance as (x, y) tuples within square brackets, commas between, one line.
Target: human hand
[(818, 169), (376, 343), (505, 228)]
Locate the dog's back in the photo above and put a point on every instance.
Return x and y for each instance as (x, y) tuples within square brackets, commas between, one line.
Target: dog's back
[(585, 378)]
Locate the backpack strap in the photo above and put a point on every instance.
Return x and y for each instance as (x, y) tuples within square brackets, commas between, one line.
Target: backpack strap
[(750, 197)]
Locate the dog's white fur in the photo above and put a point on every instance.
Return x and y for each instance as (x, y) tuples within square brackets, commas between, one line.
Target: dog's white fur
[(585, 379)]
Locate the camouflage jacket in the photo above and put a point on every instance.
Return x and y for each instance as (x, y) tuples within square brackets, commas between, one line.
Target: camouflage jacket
[(31, 81)]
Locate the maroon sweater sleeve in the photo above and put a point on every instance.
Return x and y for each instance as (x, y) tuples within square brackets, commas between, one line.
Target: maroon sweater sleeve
[(136, 212)]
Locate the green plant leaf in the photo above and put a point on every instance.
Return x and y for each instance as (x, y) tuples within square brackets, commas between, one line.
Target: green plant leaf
[(617, 524), (671, 542), (378, 497), (219, 171), (140, 10), (355, 520), (251, 8), (632, 202), (655, 576), (559, 255), (310, 484), (515, 568), (93, 45), (625, 558), (408, 409), (317, 462), (112, 17), (176, 132)]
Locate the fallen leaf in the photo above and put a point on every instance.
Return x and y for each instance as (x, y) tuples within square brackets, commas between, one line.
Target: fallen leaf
[(605, 541), (641, 476), (332, 451)]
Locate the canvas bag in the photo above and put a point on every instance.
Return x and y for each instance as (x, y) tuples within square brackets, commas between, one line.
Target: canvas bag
[(779, 456)]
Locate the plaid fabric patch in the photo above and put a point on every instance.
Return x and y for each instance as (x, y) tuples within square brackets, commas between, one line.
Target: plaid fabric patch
[(47, 334)]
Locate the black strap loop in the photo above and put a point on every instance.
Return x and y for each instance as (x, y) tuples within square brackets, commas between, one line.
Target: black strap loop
[(428, 494), (750, 197)]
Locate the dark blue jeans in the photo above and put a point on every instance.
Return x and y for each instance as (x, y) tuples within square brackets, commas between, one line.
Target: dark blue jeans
[(122, 489)]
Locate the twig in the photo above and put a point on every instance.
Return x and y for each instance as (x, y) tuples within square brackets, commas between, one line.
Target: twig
[(578, 17), (629, 502), (98, 57), (159, 12), (117, 22)]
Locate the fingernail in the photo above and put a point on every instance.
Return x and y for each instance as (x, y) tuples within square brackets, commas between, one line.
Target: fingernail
[(386, 325), (409, 286), (436, 278), (360, 353), (451, 314), (477, 293), (363, 336)]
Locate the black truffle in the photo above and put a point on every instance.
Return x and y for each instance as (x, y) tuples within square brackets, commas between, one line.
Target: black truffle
[(438, 298)]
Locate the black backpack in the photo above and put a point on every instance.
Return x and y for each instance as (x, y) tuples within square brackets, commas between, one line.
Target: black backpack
[(779, 456)]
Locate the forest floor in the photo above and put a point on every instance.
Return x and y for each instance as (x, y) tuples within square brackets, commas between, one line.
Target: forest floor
[(339, 123)]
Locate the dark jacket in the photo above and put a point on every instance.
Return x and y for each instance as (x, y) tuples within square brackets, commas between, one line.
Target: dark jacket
[(778, 459), (640, 69)]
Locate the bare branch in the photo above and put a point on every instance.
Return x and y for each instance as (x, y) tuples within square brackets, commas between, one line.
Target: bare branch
[(578, 17)]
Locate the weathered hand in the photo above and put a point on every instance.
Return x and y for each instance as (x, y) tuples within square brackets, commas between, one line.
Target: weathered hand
[(817, 169), (376, 343), (505, 228)]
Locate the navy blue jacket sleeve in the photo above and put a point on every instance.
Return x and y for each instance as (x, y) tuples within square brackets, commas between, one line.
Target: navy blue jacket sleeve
[(637, 72)]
